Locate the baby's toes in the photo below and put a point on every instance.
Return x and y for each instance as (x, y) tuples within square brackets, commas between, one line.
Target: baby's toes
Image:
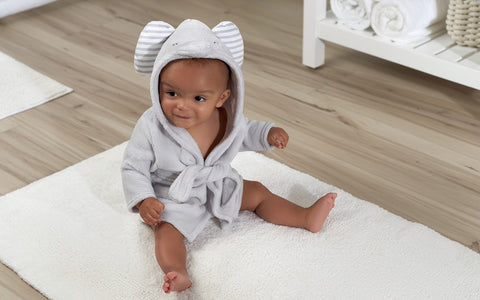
[(166, 287)]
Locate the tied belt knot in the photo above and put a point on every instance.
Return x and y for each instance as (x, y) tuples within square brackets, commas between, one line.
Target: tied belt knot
[(194, 176)]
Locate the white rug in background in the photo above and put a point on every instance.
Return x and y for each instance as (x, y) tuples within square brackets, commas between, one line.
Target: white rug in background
[(22, 88), (10, 7), (70, 236)]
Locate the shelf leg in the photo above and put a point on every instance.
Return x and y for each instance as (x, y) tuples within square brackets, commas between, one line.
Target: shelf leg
[(313, 48)]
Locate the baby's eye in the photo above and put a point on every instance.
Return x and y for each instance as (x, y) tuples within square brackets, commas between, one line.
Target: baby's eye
[(200, 98), (172, 94)]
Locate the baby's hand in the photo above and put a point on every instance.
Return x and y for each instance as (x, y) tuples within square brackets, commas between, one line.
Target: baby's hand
[(277, 137), (150, 211)]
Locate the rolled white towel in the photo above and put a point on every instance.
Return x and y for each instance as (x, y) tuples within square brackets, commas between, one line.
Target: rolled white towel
[(405, 21), (353, 13)]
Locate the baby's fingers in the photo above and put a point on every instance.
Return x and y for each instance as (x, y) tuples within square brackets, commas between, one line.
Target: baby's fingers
[(155, 215), (153, 220), (279, 142), (159, 208), (285, 137), (148, 219)]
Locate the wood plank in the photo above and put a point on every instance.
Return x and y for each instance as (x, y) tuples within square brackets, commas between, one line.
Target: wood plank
[(437, 45), (456, 53), (426, 39), (14, 288), (472, 61)]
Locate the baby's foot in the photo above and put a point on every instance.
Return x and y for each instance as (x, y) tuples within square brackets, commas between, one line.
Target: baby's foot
[(318, 212), (175, 282)]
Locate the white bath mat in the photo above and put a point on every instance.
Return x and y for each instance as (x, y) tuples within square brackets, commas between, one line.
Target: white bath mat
[(70, 236), (10, 7), (22, 88)]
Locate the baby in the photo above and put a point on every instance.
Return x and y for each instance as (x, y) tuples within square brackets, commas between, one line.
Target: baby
[(176, 169)]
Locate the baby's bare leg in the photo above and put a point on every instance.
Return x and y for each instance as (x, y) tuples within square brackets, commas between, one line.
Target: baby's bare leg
[(277, 210), (171, 256)]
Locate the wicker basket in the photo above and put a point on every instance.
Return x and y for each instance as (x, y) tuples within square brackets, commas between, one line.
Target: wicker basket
[(463, 22)]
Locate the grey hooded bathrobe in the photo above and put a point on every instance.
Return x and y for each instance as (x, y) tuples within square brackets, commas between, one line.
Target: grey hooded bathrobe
[(163, 161)]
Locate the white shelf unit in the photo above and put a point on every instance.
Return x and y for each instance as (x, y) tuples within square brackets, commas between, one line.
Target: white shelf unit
[(437, 55)]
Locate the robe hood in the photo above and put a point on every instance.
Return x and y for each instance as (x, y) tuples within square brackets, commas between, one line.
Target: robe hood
[(160, 43)]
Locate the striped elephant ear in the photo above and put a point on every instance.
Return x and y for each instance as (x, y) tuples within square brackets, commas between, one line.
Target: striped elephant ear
[(149, 44), (230, 35)]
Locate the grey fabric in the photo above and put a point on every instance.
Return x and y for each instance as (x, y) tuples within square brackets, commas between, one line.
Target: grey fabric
[(164, 161)]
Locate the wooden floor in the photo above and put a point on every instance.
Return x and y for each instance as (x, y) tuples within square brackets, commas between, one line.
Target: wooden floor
[(399, 138)]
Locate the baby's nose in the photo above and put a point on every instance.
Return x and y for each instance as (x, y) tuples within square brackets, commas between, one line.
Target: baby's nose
[(182, 104)]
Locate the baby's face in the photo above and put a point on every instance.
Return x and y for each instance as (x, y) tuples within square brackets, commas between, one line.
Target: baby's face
[(191, 91)]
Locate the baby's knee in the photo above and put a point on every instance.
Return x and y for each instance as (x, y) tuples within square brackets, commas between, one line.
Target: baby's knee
[(257, 186), (165, 230), (255, 192)]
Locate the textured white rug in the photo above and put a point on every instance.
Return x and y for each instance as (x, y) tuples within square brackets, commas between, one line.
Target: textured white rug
[(22, 88), (70, 236), (10, 7)]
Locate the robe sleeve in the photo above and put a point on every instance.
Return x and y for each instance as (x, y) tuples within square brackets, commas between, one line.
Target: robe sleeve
[(137, 162), (256, 136)]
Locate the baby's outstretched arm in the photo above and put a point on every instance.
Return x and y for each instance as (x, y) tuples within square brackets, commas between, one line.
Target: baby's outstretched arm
[(277, 137), (150, 210)]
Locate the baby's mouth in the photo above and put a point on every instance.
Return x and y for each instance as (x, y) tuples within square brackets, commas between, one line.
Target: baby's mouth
[(182, 117)]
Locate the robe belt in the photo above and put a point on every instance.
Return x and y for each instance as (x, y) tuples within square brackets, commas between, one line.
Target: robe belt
[(194, 176)]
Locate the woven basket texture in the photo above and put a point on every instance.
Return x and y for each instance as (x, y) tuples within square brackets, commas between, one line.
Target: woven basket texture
[(463, 22)]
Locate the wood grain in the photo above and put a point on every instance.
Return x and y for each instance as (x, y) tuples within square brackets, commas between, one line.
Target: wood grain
[(396, 137)]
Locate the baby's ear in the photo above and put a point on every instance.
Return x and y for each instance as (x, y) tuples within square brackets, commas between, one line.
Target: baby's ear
[(230, 36), (149, 44), (223, 97)]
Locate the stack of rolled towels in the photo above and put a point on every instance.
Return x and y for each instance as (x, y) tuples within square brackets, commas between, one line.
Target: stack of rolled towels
[(401, 21)]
